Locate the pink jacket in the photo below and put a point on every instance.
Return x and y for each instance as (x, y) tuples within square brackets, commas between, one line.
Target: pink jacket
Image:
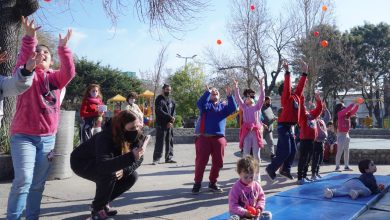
[(242, 195), (248, 127), (344, 118), (38, 109)]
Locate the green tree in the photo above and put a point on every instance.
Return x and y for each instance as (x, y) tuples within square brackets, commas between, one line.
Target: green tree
[(187, 85), (371, 44), (112, 82)]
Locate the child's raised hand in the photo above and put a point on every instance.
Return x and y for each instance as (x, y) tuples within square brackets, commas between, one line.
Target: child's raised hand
[(3, 56), (64, 41), (29, 27), (228, 91), (285, 65)]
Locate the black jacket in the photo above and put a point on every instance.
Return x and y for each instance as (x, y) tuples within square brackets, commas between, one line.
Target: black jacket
[(368, 179), (165, 109), (106, 154)]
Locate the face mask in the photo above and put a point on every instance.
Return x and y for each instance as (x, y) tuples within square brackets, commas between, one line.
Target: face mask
[(131, 101), (267, 105), (93, 94), (131, 136), (167, 93)]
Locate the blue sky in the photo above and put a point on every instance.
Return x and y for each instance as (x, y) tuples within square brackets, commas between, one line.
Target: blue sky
[(132, 48)]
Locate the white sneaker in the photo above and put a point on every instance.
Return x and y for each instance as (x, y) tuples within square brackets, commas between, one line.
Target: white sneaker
[(354, 194), (328, 193)]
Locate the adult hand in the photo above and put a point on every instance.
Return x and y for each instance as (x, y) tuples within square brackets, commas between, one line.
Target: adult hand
[(63, 41), (173, 120), (3, 56), (285, 65), (228, 91), (169, 125), (207, 88), (265, 127), (31, 62), (139, 151), (304, 67), (29, 27), (119, 174), (235, 83)]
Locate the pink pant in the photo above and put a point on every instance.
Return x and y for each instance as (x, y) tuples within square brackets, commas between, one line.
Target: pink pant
[(206, 146)]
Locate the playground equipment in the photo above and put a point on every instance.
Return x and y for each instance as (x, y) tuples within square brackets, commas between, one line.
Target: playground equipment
[(146, 104), (115, 105)]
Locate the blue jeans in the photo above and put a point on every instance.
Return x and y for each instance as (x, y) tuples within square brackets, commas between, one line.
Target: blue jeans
[(31, 167), (285, 149)]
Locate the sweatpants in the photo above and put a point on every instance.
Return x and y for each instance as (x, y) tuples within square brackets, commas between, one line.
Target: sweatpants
[(318, 155), (204, 147), (343, 140), (305, 153), (250, 143)]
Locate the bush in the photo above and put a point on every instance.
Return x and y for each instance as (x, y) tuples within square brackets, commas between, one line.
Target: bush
[(232, 124), (178, 121)]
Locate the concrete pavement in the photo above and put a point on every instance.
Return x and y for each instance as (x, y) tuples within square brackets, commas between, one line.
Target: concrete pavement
[(163, 191)]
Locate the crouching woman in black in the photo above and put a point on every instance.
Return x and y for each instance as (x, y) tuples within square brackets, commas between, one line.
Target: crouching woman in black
[(110, 159)]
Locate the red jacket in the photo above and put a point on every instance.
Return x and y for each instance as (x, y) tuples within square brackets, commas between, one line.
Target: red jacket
[(307, 121), (89, 107), (290, 101)]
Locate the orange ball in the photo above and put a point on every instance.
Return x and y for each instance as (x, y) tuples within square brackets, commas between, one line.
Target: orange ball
[(324, 8), (219, 42), (360, 100), (324, 43)]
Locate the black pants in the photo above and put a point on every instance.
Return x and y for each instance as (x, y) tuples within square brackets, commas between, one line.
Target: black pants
[(108, 187), (305, 153), (318, 156), (163, 134)]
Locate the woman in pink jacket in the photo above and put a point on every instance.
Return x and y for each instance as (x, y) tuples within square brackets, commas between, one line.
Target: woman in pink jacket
[(34, 125), (343, 125)]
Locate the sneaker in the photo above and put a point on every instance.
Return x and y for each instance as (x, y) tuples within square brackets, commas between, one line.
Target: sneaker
[(213, 187), (271, 175), (347, 169), (286, 174), (328, 193), (234, 217), (303, 181), (272, 156), (98, 215), (170, 161), (307, 179), (353, 194), (155, 162), (313, 177), (196, 188), (337, 169), (110, 211), (318, 176)]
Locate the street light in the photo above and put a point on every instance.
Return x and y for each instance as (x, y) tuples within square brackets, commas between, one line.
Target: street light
[(185, 58)]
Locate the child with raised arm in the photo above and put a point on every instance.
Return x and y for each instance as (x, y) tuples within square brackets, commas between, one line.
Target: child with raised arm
[(246, 198), (34, 126), (308, 133), (364, 185), (251, 128), (343, 126)]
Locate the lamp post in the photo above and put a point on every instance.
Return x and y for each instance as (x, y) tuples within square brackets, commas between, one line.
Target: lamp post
[(185, 58)]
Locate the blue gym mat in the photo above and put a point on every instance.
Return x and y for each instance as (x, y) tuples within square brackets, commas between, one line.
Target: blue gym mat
[(307, 201), (315, 190)]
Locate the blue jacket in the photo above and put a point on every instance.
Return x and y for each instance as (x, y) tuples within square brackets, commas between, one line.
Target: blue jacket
[(212, 119)]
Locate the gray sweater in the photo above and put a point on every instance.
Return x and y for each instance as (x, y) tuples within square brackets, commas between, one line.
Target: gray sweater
[(13, 86)]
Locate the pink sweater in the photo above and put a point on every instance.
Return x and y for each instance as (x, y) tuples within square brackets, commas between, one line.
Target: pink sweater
[(344, 117), (38, 109), (251, 114), (242, 195)]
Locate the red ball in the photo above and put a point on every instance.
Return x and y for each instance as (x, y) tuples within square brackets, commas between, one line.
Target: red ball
[(324, 43), (360, 100), (47, 0), (219, 42), (316, 33), (252, 7), (252, 210)]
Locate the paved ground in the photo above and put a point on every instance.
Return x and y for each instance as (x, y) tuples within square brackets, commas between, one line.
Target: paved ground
[(163, 191)]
